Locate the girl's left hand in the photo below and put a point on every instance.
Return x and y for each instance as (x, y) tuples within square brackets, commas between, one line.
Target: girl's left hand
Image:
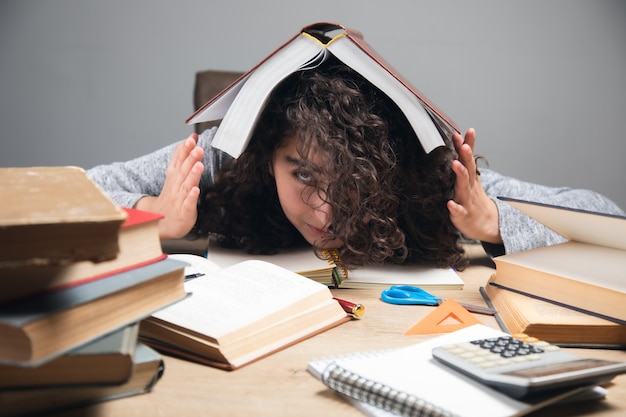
[(178, 199), (472, 212)]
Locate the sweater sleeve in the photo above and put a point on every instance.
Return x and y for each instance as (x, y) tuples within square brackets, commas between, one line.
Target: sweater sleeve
[(127, 182), (520, 232)]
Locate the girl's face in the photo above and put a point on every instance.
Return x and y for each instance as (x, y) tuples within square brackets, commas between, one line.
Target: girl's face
[(301, 196)]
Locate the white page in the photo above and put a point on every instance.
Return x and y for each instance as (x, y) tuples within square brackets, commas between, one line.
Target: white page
[(409, 104), (235, 129), (296, 260), (241, 295)]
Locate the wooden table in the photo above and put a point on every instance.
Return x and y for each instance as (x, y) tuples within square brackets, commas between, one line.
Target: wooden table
[(279, 385)]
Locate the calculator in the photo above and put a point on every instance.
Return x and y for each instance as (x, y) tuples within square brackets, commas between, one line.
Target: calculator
[(522, 366)]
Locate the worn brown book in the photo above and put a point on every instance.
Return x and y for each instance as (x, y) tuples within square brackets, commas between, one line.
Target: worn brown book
[(553, 323), (240, 104), (40, 328), (106, 360), (584, 273), (241, 313), (139, 245), (148, 368), (55, 215)]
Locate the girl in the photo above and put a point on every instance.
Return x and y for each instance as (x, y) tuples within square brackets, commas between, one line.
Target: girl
[(333, 163)]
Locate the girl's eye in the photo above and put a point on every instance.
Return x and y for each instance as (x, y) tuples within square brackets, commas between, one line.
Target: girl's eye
[(303, 177)]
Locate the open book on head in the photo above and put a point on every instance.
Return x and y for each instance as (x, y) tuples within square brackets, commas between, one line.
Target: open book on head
[(240, 104), (241, 313)]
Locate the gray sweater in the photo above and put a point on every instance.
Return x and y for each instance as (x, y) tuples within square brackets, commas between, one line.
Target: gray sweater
[(127, 182)]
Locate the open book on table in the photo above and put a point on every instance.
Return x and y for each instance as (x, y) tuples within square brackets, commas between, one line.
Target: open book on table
[(553, 323), (304, 262), (240, 104), (241, 313), (439, 390)]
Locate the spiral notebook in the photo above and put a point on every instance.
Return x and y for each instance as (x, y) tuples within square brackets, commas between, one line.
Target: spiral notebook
[(408, 381)]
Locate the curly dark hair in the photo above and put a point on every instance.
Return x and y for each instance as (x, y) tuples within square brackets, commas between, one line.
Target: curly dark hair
[(387, 196)]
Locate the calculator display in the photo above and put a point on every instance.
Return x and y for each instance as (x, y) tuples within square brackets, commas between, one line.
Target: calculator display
[(558, 368)]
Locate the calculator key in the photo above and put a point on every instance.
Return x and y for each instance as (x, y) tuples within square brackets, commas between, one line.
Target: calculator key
[(551, 348), (471, 347), (487, 364)]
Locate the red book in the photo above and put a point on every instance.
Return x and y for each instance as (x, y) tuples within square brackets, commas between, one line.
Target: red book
[(139, 245)]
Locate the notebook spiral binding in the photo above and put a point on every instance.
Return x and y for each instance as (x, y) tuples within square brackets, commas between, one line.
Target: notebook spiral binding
[(379, 395), (339, 272)]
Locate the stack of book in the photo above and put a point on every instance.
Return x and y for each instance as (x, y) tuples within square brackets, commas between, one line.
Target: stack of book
[(77, 274), (571, 293)]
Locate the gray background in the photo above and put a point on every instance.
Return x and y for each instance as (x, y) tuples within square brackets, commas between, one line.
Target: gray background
[(85, 82)]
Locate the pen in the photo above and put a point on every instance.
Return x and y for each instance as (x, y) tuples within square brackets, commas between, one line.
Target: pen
[(189, 277), (357, 310)]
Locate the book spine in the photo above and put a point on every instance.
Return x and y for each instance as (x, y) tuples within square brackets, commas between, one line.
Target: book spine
[(496, 315), (379, 395)]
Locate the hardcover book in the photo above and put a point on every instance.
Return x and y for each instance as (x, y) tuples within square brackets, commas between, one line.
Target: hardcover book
[(53, 215), (106, 360), (241, 313), (148, 368), (583, 273), (37, 329), (139, 245), (553, 323)]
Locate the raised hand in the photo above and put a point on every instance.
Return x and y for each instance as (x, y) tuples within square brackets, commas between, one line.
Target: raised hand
[(179, 197), (472, 212)]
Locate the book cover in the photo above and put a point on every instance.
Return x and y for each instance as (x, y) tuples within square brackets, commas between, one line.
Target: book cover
[(55, 215), (139, 245), (106, 360), (38, 329), (240, 104)]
